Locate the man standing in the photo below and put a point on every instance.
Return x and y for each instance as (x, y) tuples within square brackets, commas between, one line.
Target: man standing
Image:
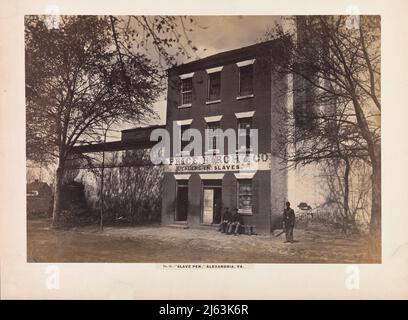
[(225, 221), (288, 222)]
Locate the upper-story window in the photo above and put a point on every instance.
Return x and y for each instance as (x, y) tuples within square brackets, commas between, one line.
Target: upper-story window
[(214, 86), (244, 134), (213, 136), (246, 75), (186, 91), (184, 143)]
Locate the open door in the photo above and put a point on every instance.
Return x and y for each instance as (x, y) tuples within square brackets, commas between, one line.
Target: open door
[(212, 201), (208, 205), (182, 201)]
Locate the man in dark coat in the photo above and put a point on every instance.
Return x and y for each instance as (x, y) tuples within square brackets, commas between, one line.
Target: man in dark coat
[(226, 220), (288, 222), (236, 222)]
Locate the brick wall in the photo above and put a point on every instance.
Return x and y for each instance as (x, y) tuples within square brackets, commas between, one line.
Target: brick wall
[(269, 103)]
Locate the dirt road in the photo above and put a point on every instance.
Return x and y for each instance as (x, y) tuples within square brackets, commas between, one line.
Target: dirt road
[(167, 245)]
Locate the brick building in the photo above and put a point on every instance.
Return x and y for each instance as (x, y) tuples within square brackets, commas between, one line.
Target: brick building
[(230, 90), (237, 89)]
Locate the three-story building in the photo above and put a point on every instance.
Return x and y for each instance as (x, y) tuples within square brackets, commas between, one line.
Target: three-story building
[(238, 89)]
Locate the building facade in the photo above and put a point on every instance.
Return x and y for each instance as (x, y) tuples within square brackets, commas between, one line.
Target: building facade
[(238, 89)]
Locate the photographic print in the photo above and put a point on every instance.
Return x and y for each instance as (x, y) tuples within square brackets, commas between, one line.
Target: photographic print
[(203, 139), (216, 150)]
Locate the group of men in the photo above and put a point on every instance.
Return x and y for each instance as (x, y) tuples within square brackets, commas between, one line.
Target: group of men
[(231, 222)]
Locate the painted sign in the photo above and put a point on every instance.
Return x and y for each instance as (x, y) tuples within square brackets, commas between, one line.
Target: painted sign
[(220, 163)]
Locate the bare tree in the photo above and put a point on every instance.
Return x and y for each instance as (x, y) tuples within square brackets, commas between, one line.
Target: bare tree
[(75, 81), (337, 105), (167, 38), (86, 71)]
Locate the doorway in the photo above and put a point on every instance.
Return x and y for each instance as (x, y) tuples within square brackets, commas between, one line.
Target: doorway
[(181, 201), (212, 202)]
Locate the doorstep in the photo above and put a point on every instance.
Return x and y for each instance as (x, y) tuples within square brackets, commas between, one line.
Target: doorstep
[(179, 225)]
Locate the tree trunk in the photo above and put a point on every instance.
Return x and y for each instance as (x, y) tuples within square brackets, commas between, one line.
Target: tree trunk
[(56, 211), (374, 151), (375, 221), (102, 181), (346, 206), (102, 195)]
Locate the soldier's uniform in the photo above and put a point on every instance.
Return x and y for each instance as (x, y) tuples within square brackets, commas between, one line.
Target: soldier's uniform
[(289, 223)]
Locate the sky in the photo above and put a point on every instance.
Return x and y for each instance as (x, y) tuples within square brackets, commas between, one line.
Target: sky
[(215, 34), (229, 32)]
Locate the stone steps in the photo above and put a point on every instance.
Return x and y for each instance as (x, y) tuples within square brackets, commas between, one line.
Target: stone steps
[(178, 225)]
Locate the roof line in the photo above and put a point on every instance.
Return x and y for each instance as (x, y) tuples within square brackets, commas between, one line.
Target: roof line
[(227, 52)]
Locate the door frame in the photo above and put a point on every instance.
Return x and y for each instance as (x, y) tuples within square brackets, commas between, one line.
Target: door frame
[(209, 186), (176, 209)]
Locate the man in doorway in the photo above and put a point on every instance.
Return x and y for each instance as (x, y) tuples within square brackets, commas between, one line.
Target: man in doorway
[(226, 220), (288, 222), (236, 222)]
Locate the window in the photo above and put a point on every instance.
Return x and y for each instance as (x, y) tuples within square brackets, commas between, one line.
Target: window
[(213, 136), (214, 86), (245, 195), (184, 128), (246, 80), (244, 134), (186, 91)]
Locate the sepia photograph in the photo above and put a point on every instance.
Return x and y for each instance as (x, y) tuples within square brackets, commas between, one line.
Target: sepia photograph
[(174, 139), (203, 154)]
